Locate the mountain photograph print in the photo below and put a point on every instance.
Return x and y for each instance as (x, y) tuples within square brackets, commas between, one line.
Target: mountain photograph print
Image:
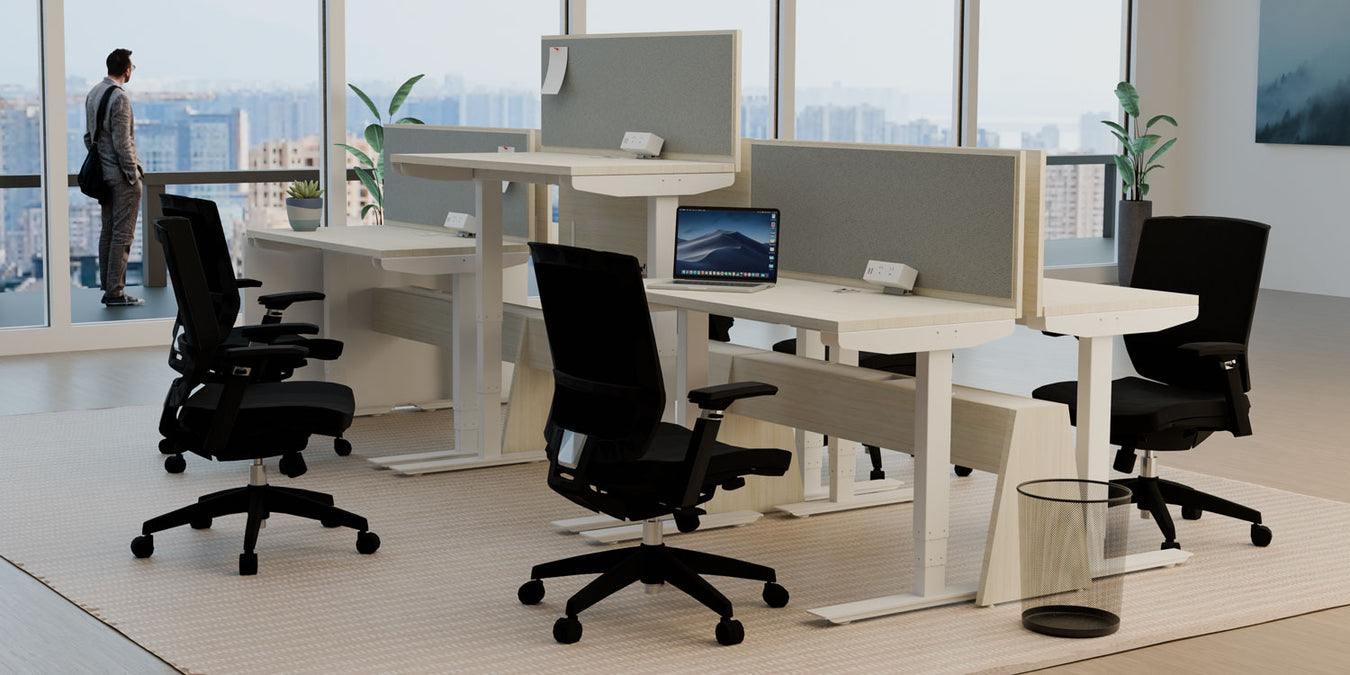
[(1303, 72)]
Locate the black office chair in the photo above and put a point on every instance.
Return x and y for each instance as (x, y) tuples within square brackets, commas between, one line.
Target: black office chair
[(242, 417), (224, 288), (1197, 372), (609, 452), (899, 364)]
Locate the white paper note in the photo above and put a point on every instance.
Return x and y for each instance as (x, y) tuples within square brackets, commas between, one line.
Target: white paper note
[(557, 67)]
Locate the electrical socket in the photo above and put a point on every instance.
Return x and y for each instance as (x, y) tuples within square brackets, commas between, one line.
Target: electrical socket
[(644, 143), (892, 275)]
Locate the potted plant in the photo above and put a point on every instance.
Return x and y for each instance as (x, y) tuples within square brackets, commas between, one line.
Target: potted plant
[(371, 172), (1140, 151), (304, 207)]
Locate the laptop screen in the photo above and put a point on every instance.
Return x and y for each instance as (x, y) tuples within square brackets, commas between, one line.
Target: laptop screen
[(726, 244)]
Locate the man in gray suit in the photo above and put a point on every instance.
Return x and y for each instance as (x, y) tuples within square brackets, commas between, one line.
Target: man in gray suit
[(122, 172)]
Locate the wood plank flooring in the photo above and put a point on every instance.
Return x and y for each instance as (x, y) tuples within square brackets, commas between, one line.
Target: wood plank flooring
[(1300, 396)]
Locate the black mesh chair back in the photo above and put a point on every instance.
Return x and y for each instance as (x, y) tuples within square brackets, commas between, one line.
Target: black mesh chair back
[(217, 263), (1218, 259), (196, 313), (607, 374)]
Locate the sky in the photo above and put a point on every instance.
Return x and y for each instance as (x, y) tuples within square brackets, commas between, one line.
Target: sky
[(1038, 58)]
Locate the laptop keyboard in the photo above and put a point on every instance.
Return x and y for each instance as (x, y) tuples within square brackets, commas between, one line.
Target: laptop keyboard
[(710, 282)]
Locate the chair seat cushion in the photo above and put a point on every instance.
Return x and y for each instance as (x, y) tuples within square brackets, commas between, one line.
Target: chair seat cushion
[(659, 465), (273, 415), (1140, 407)]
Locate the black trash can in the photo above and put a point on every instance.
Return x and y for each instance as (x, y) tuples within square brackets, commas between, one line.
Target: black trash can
[(1073, 541)]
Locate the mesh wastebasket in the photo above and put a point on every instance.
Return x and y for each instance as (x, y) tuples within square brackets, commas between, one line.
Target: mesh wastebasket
[(1073, 555)]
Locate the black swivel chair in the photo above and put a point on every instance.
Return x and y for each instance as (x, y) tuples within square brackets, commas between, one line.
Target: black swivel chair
[(609, 451), (1197, 374), (224, 288), (238, 415)]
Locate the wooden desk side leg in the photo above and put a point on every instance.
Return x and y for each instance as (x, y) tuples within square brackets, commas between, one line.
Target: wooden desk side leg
[(488, 200), (810, 445), (463, 360), (932, 442), (1094, 407), (843, 453), (691, 370)]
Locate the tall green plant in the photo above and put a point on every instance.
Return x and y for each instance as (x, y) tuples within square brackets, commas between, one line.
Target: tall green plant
[(1137, 144), (372, 172)]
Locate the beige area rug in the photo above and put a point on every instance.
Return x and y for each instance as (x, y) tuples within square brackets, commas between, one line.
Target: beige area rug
[(439, 596)]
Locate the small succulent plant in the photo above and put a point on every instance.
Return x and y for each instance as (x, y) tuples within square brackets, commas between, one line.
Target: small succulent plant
[(305, 189)]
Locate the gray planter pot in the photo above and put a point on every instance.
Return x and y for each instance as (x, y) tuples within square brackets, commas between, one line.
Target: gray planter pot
[(304, 214), (1130, 217)]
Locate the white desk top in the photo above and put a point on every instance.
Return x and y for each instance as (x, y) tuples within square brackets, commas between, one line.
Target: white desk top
[(388, 241), (820, 306), (559, 163), (1062, 298)]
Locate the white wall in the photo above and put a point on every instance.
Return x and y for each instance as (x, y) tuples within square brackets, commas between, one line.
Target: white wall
[(1197, 61)]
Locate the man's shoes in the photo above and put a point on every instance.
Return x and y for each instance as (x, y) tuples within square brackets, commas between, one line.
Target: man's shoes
[(121, 301)]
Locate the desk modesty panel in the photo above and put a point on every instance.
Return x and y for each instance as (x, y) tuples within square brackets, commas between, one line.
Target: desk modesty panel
[(683, 87), (952, 215), (420, 201)]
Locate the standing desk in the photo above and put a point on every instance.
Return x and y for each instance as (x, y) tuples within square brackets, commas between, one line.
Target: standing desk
[(1096, 314), (850, 318), (662, 181), (353, 259)]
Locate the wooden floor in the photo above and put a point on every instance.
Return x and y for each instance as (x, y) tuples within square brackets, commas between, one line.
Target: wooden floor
[(1300, 398)]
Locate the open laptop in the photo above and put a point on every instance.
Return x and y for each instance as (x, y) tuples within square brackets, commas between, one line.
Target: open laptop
[(724, 249)]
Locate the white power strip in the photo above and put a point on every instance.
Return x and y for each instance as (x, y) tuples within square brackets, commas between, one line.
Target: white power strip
[(894, 276)]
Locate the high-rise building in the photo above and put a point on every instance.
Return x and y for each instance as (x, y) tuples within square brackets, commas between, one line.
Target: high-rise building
[(1074, 197), (1094, 137)]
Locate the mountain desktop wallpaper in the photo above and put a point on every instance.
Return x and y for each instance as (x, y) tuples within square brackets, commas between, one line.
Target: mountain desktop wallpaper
[(727, 241), (1303, 72)]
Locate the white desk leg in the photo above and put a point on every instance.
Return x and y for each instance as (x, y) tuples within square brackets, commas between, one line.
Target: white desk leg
[(691, 369), (661, 265), (810, 445), (932, 442), (843, 453), (463, 363), (1094, 407), (489, 204)]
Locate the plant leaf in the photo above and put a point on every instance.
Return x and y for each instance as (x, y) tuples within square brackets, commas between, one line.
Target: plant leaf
[(410, 120), (372, 186), (1161, 150), (375, 137), (1125, 141), (1144, 188), (1141, 145), (369, 103), (356, 152), (367, 209), (1129, 99), (1126, 169), (402, 94), (1160, 118)]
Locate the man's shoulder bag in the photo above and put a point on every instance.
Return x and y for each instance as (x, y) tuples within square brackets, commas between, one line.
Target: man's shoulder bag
[(91, 172)]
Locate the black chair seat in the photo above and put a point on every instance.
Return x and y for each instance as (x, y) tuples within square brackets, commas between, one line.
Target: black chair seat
[(273, 408), (1140, 407), (669, 449)]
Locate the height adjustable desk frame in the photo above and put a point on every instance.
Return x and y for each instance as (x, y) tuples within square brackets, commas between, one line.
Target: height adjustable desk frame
[(661, 181), (866, 320)]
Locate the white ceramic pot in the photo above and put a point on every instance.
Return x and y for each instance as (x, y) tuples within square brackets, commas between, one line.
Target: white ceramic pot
[(304, 214)]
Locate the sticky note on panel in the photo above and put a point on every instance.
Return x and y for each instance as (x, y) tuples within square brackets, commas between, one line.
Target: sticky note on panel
[(557, 68)]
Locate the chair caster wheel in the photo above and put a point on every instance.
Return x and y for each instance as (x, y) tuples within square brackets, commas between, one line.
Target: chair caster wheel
[(686, 523), (292, 465), (1192, 512), (143, 546), (367, 543), (1261, 535), (531, 592), (342, 447), (567, 630), (166, 447), (775, 595), (202, 523), (1171, 544), (877, 474), (962, 471), (730, 632), (248, 564), (175, 464)]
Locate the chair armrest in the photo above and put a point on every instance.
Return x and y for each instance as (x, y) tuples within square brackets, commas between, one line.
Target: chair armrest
[(1223, 350), (268, 333), (251, 357), (245, 282), (243, 364), (719, 396), (284, 300)]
